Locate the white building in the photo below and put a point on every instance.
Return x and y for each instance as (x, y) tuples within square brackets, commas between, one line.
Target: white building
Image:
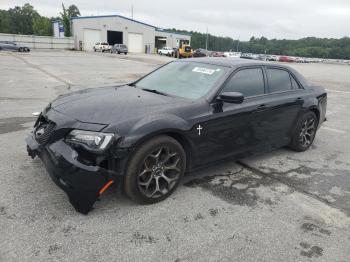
[(115, 29)]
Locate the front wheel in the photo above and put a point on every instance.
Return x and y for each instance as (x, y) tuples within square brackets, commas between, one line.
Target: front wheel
[(154, 170), (305, 132)]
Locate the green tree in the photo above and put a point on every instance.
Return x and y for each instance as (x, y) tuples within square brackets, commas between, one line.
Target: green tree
[(73, 11), (42, 25), (66, 15)]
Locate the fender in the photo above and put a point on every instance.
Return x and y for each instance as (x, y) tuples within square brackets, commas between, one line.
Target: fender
[(153, 125)]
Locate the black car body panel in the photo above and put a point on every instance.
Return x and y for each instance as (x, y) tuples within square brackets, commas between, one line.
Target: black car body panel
[(208, 129)]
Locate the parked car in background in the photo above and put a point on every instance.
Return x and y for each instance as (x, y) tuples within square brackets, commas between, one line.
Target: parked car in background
[(272, 58), (232, 54), (119, 48), (103, 47), (200, 52), (166, 51), (12, 46), (217, 54), (247, 55), (286, 59), (299, 60), (261, 57)]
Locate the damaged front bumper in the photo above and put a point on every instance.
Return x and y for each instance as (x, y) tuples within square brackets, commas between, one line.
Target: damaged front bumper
[(82, 183)]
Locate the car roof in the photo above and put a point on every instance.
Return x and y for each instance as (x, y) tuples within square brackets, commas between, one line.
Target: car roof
[(227, 61), (233, 62)]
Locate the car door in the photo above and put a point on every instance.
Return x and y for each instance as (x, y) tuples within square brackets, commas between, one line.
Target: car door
[(235, 129), (6, 46), (285, 100), (12, 46)]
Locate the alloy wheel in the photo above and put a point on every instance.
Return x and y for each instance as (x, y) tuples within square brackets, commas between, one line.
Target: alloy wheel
[(307, 132), (159, 172)]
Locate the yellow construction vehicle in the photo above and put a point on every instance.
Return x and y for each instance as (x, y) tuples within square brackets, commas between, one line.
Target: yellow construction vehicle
[(185, 51)]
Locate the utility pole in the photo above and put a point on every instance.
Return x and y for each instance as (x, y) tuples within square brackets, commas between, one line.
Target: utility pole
[(237, 43), (206, 41), (132, 12)]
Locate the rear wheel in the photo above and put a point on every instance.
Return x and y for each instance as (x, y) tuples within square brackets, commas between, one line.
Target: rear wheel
[(305, 132), (155, 169)]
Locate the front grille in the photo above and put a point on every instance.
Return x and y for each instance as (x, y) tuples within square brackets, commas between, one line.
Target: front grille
[(44, 130)]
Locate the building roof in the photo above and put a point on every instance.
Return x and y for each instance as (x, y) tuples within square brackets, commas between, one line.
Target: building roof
[(171, 32), (127, 18)]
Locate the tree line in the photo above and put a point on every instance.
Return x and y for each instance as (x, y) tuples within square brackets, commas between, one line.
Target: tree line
[(305, 47), (26, 20)]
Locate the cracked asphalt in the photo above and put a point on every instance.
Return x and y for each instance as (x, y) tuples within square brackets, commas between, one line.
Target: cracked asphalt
[(277, 206)]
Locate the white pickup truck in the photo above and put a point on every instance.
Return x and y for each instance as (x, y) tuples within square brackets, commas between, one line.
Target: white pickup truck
[(166, 51), (103, 47)]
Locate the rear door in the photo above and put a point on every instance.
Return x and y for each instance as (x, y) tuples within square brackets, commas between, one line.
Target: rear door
[(285, 100)]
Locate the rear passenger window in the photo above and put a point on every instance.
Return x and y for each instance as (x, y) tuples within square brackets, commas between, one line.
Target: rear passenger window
[(249, 82), (295, 85), (279, 80)]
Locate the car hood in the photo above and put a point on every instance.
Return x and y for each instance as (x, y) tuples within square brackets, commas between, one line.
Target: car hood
[(113, 105)]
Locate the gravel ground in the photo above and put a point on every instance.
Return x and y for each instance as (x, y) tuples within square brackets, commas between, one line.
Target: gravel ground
[(279, 206)]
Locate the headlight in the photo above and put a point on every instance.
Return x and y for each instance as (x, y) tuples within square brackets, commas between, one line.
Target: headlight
[(95, 141)]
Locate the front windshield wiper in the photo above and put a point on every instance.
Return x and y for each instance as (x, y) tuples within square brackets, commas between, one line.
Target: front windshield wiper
[(155, 91)]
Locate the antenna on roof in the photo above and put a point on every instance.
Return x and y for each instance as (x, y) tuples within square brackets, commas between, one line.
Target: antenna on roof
[(132, 12)]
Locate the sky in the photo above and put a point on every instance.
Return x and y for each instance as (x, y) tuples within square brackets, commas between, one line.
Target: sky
[(239, 19)]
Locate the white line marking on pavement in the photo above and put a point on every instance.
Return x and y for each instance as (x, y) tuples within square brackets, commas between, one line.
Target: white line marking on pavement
[(334, 130)]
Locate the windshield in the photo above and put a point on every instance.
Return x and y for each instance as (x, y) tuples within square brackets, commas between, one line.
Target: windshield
[(183, 79)]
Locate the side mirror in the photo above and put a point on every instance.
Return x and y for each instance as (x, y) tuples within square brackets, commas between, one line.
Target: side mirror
[(231, 97)]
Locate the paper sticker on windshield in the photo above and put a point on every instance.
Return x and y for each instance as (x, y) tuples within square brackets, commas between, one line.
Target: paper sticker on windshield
[(203, 70)]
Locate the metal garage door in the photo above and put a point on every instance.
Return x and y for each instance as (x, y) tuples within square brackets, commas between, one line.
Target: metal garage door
[(91, 37), (135, 43)]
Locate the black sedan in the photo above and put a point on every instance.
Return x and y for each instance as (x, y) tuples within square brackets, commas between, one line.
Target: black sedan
[(183, 116), (200, 53), (12, 46)]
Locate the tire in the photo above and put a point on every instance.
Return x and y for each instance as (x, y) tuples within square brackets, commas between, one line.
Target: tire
[(151, 166), (305, 132), (20, 49), (125, 53), (118, 53), (94, 49)]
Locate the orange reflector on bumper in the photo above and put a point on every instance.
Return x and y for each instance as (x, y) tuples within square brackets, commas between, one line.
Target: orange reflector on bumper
[(104, 188)]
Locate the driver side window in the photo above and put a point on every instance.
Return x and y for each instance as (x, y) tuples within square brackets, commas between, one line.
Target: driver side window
[(249, 82)]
